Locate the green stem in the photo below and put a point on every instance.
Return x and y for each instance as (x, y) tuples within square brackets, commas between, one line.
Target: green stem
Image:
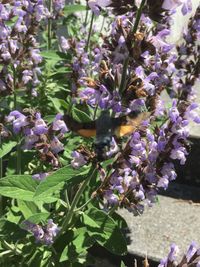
[(9, 247), (138, 16), (14, 89), (76, 200), (18, 163), (124, 72), (90, 32), (112, 210), (86, 16), (126, 60), (49, 26), (1, 160), (67, 198), (1, 175), (18, 156), (84, 205)]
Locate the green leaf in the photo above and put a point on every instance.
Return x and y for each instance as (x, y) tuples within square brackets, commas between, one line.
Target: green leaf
[(5, 148), (27, 208), (11, 232), (57, 104), (11, 22), (55, 182), (76, 250), (70, 9), (122, 264), (80, 116), (18, 186), (105, 231), (52, 55)]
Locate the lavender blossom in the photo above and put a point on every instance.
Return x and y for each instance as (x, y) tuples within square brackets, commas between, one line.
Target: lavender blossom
[(78, 160), (43, 234)]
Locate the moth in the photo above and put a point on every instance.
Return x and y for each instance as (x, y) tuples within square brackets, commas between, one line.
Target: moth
[(106, 127)]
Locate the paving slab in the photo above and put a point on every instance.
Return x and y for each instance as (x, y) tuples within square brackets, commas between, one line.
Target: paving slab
[(171, 220)]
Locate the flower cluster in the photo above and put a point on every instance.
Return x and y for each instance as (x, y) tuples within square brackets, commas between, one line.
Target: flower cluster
[(134, 69), (43, 234), (19, 52), (191, 258), (38, 135)]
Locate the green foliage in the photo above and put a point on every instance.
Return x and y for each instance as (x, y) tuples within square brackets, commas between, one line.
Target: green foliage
[(5, 148), (18, 186), (24, 199), (70, 9), (55, 182)]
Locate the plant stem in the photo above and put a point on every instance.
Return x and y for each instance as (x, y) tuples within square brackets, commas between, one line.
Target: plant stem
[(124, 72), (9, 247), (67, 198), (1, 160), (138, 16), (18, 156), (84, 205), (112, 210), (18, 167), (86, 16), (126, 60), (1, 175), (90, 31), (76, 199), (49, 26)]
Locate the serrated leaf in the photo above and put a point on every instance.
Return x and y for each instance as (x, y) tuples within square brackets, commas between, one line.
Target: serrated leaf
[(70, 9), (18, 186), (5, 148), (55, 182)]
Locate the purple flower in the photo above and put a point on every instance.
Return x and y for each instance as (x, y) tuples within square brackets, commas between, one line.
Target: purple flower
[(179, 153), (43, 234), (191, 251), (187, 7), (173, 112), (27, 76), (40, 176), (18, 119), (35, 55), (163, 182), (30, 140), (59, 124), (64, 44), (40, 126), (78, 160), (171, 4), (90, 96), (58, 5), (96, 4), (56, 145), (111, 198)]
